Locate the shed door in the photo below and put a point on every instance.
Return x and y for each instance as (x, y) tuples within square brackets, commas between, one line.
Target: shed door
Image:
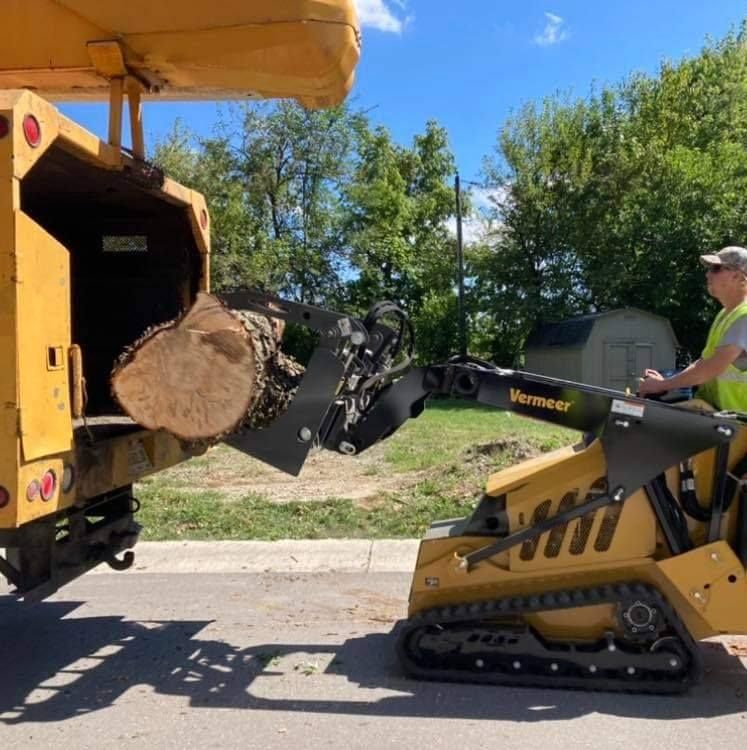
[(624, 363)]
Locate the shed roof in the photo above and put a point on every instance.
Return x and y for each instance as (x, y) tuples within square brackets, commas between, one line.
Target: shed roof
[(575, 331)]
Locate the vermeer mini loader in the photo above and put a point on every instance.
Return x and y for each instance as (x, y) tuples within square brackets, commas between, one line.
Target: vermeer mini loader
[(597, 565)]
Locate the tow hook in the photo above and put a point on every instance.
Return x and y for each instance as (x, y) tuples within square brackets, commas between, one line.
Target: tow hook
[(120, 564)]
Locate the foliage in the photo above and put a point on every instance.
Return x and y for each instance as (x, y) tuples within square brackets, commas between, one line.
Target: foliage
[(606, 201), (612, 198), (399, 202), (321, 208)]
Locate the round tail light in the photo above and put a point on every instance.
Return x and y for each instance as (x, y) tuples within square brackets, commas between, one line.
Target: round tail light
[(33, 490), (4, 497), (48, 485), (32, 130), (4, 126)]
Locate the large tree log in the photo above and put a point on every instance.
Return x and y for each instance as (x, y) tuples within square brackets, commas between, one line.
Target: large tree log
[(207, 373)]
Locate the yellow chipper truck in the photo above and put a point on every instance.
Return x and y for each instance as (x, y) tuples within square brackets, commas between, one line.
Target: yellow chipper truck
[(596, 566), (96, 245)]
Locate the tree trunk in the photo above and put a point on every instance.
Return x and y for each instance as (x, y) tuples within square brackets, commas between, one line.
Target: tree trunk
[(207, 373)]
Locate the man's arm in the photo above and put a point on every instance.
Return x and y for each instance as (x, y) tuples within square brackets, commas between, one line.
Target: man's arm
[(699, 372)]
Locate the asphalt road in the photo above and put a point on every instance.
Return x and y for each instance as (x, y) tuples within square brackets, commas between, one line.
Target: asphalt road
[(256, 659)]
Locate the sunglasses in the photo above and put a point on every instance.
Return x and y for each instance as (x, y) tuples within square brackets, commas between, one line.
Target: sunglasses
[(718, 269)]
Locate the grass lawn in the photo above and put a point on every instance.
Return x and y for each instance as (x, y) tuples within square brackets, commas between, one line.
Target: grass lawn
[(433, 467)]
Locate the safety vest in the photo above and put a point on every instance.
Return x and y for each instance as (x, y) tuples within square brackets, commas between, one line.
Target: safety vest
[(728, 391)]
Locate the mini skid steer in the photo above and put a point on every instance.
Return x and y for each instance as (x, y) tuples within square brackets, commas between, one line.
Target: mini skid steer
[(598, 565)]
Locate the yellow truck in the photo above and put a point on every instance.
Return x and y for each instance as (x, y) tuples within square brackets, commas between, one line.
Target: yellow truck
[(97, 245)]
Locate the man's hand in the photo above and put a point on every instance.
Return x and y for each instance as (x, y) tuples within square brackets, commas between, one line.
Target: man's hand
[(652, 382)]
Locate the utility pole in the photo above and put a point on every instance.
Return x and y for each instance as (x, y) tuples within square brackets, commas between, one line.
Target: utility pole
[(461, 312)]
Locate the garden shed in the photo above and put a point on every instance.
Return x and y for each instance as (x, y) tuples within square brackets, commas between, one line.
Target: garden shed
[(609, 349)]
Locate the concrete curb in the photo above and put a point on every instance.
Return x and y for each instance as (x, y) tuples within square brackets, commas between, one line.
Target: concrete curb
[(283, 556)]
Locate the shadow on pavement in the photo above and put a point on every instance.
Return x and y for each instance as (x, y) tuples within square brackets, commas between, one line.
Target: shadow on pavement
[(56, 667)]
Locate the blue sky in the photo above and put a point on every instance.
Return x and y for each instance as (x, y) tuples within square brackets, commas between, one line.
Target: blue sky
[(469, 64)]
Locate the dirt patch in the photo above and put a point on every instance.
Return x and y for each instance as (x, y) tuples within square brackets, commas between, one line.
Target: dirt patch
[(368, 479), (325, 474), (328, 474), (508, 450)]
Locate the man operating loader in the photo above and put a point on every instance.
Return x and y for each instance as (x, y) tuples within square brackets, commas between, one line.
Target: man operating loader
[(721, 371)]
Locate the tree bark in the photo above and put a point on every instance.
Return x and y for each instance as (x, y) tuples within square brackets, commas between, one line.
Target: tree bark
[(207, 373)]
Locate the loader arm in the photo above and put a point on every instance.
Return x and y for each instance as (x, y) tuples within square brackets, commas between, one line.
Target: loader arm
[(359, 388), (640, 438)]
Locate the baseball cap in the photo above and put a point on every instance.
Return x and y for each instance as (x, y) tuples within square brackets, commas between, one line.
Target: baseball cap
[(732, 256)]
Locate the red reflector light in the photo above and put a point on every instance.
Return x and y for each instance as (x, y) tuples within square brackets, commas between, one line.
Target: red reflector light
[(32, 130), (33, 490), (204, 219), (48, 485), (4, 497), (4, 127)]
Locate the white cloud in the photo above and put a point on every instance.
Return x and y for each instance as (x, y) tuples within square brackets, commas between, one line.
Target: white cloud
[(486, 199), (377, 14), (485, 219), (553, 33)]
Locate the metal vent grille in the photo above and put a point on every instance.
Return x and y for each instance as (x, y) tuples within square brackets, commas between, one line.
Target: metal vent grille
[(529, 547), (581, 534), (607, 527), (584, 524), (124, 243), (555, 540)]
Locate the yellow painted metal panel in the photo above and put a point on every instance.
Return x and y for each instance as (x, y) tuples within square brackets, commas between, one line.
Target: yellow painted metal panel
[(712, 581), (43, 341), (123, 460), (571, 474), (30, 510), (87, 146), (9, 200), (25, 155), (305, 49)]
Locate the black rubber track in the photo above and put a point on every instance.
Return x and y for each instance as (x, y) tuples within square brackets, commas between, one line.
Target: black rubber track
[(535, 671)]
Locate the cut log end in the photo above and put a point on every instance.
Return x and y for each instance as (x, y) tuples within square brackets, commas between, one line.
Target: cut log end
[(206, 374)]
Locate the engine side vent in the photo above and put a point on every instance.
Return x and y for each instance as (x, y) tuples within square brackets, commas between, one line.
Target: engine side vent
[(583, 526), (555, 540), (581, 534), (529, 547), (607, 529)]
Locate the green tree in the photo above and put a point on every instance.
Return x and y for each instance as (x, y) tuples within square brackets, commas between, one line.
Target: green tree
[(398, 204), (273, 186), (320, 208), (294, 164), (611, 199)]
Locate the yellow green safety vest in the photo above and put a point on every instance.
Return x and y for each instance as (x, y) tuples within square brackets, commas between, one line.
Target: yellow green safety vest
[(728, 391)]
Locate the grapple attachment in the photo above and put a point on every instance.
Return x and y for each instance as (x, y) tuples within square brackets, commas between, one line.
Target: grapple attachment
[(353, 363)]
